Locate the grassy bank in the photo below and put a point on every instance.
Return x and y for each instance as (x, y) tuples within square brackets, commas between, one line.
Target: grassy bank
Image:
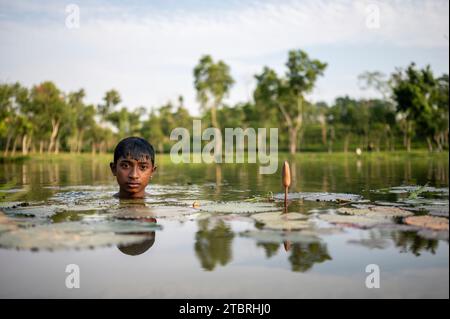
[(161, 158)]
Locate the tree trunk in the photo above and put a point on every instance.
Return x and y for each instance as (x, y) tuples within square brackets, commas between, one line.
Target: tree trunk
[(430, 145), (408, 135), (293, 140), (438, 141), (214, 117), (445, 138), (80, 141), (57, 146), (41, 146), (55, 128), (29, 143), (331, 139), (8, 143), (33, 147), (73, 143), (324, 134), (24, 144), (14, 147), (346, 142)]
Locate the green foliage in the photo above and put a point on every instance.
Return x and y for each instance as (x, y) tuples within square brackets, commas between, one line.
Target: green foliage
[(212, 82), (423, 100), (412, 111), (286, 94)]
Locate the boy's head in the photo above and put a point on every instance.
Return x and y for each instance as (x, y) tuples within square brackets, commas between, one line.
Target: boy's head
[(133, 166)]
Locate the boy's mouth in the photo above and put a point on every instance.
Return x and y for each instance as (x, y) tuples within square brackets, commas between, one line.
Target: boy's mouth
[(133, 184)]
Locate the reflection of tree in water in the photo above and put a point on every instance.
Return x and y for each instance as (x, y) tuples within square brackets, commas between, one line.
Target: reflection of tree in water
[(305, 255), (271, 249), (213, 244), (410, 241)]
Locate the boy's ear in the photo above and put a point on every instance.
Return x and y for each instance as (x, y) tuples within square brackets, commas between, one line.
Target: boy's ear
[(154, 168), (113, 168)]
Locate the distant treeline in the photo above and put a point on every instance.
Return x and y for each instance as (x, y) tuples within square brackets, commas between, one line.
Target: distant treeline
[(413, 111)]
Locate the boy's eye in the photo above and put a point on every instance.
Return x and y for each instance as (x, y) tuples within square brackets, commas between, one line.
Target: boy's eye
[(144, 167), (124, 165)]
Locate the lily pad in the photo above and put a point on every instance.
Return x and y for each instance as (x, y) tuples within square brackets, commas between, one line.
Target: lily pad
[(352, 221), (416, 188), (144, 212), (436, 210), (424, 201), (238, 207), (321, 197), (430, 222), (291, 221), (372, 211), (74, 235), (35, 211)]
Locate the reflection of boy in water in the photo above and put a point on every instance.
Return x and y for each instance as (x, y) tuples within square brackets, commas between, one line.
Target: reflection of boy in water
[(133, 166), (133, 212), (139, 248)]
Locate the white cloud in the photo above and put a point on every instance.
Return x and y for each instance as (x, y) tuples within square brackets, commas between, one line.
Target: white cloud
[(148, 53)]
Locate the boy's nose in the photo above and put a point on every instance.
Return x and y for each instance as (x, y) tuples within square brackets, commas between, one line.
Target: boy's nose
[(134, 173)]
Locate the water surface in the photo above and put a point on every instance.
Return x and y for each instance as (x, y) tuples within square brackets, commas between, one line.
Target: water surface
[(62, 211)]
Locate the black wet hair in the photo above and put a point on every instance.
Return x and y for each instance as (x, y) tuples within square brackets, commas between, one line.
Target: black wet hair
[(139, 248), (134, 147)]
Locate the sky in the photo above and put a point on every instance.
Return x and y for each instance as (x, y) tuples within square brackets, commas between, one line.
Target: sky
[(147, 49)]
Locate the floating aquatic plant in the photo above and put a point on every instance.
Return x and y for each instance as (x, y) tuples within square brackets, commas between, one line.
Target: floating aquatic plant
[(40, 211), (321, 197), (144, 212), (238, 207), (353, 221), (372, 211), (431, 222), (257, 198), (415, 193), (278, 220), (76, 235)]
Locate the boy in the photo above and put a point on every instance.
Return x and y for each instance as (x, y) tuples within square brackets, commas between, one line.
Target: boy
[(133, 166)]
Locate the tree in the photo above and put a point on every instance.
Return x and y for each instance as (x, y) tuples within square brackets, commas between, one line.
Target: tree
[(111, 99), (8, 111), (287, 93), (375, 80), (212, 82), (344, 119), (152, 132), (82, 119), (49, 106), (415, 92), (381, 122), (128, 123), (442, 119)]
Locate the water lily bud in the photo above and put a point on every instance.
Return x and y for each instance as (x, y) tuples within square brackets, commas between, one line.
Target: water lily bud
[(286, 174), (196, 204)]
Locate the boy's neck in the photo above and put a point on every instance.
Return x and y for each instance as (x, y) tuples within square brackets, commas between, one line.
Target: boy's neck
[(125, 195)]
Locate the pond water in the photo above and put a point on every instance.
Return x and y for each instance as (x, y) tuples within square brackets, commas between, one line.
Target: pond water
[(345, 213)]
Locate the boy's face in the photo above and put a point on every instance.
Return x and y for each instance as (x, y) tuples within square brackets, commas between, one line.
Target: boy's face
[(132, 175)]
